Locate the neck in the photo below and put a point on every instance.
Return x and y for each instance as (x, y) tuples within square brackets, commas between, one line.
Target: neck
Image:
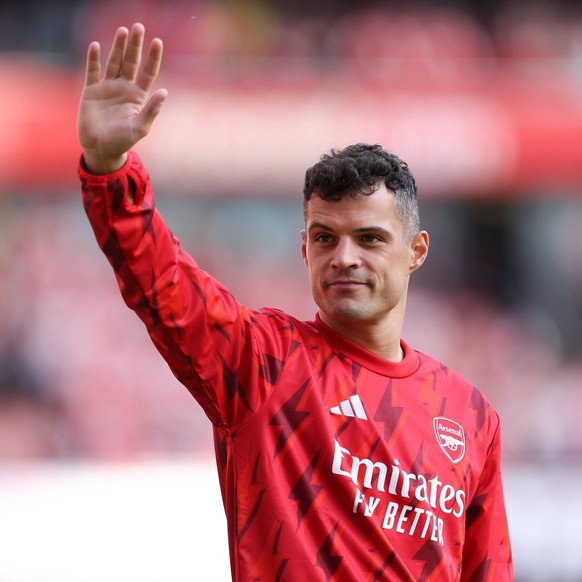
[(381, 338)]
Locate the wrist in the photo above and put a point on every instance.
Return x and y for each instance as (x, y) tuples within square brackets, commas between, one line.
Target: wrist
[(96, 164)]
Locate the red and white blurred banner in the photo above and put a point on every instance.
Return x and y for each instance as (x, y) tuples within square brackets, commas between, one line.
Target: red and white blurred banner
[(511, 134)]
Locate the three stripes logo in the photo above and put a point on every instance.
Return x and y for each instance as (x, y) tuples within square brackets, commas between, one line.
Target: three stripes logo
[(351, 407)]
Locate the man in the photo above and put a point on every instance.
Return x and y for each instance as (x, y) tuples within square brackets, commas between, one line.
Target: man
[(343, 454)]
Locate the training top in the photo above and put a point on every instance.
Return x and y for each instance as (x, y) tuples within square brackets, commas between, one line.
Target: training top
[(335, 465)]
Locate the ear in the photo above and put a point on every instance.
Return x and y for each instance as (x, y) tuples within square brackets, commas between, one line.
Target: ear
[(418, 250), (304, 248)]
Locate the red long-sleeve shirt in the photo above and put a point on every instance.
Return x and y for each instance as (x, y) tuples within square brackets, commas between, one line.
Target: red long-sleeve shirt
[(335, 464)]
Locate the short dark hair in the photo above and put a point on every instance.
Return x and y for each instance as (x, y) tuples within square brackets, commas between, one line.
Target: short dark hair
[(359, 170)]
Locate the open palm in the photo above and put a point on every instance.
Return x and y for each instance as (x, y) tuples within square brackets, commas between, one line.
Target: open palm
[(116, 110)]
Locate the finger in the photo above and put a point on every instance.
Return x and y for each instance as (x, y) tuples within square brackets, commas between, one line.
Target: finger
[(150, 111), (93, 66), (132, 57), (116, 53), (151, 66)]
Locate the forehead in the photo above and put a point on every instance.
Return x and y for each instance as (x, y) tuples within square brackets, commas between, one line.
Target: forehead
[(376, 209)]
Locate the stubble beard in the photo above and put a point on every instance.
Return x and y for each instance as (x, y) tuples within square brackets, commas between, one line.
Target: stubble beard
[(348, 308)]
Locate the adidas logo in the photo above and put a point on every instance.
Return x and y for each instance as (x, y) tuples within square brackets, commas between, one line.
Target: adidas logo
[(351, 407)]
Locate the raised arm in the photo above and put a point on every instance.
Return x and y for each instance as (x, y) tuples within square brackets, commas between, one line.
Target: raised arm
[(116, 109)]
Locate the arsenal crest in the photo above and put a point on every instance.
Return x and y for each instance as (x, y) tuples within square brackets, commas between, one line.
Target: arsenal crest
[(451, 438)]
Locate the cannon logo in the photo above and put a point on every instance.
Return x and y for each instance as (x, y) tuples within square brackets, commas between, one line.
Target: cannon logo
[(451, 438)]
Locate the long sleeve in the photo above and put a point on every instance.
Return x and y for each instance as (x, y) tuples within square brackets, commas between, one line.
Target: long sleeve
[(487, 552)]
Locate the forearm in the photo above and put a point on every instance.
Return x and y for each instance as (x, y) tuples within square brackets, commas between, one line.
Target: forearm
[(190, 317), (147, 259)]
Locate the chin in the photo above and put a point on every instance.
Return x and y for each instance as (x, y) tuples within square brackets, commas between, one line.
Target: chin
[(349, 312)]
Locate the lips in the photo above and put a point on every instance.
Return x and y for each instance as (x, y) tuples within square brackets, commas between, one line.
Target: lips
[(344, 283)]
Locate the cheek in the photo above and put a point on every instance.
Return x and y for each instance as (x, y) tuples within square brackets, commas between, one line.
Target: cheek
[(392, 270), (310, 259), (314, 270)]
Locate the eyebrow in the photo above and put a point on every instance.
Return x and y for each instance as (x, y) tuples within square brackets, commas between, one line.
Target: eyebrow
[(361, 230), (315, 225)]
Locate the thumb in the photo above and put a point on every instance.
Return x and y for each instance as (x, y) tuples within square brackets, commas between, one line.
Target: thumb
[(150, 111)]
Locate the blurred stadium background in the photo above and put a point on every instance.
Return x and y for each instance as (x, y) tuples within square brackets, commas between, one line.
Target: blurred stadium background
[(105, 461)]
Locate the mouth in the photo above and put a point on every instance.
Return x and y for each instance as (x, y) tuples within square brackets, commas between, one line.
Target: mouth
[(345, 283)]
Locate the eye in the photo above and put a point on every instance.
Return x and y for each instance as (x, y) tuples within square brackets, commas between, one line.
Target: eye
[(370, 238), (322, 238)]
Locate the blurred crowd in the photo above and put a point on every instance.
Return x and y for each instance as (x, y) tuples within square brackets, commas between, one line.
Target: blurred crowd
[(499, 299), (341, 33)]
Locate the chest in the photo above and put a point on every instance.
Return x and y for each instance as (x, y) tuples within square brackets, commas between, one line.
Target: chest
[(385, 434)]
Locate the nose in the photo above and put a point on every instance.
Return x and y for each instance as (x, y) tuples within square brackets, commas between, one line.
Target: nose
[(345, 255)]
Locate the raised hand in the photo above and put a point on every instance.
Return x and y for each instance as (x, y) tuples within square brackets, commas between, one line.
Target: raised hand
[(117, 110)]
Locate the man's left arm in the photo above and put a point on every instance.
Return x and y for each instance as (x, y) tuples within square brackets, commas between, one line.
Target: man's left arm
[(487, 548)]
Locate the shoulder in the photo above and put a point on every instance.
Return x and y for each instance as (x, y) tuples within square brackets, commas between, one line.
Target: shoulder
[(459, 391), (278, 320), (447, 376), (277, 329)]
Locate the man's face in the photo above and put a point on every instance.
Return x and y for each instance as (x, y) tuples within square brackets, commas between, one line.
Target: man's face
[(359, 259)]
